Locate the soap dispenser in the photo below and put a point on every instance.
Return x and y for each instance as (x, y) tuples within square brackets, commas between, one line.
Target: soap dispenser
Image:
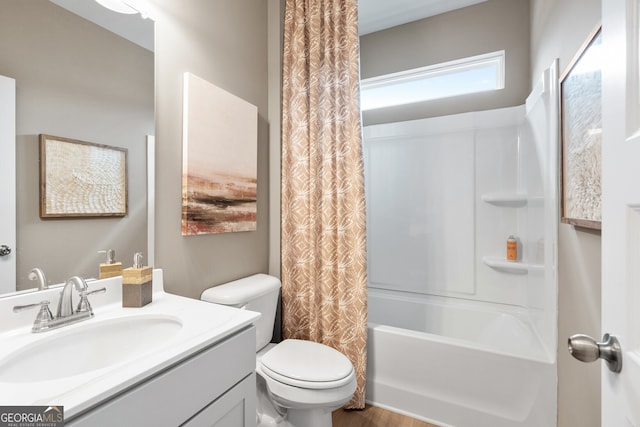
[(110, 268), (137, 283)]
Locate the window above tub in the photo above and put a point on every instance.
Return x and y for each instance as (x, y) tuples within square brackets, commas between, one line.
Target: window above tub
[(479, 73)]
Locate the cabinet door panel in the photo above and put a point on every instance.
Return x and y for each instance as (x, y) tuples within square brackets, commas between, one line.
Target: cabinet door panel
[(235, 408)]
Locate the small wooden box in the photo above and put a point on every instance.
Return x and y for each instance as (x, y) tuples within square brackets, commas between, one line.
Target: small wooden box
[(137, 286), (110, 270)]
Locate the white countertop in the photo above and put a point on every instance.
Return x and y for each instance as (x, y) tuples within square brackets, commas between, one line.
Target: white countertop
[(203, 324)]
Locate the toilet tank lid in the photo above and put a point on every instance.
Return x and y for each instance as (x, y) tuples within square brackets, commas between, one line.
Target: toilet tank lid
[(241, 291)]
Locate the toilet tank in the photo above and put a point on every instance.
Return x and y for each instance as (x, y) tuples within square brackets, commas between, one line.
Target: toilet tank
[(256, 293)]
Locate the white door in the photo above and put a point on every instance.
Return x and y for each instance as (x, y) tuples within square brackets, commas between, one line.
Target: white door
[(7, 185), (621, 208)]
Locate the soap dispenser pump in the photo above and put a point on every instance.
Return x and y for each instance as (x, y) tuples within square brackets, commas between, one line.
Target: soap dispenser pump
[(109, 268), (137, 283)]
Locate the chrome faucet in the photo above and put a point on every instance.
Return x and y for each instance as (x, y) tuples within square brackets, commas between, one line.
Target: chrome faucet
[(65, 303), (38, 274), (65, 314)]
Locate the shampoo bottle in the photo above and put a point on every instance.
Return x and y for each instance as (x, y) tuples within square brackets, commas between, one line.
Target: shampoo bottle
[(512, 248), (110, 268), (137, 283)]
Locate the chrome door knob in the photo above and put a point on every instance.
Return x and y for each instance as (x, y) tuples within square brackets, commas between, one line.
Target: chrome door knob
[(4, 250), (586, 349)]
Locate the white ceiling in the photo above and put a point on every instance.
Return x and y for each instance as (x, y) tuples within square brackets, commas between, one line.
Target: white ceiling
[(373, 15), (131, 27), (376, 15)]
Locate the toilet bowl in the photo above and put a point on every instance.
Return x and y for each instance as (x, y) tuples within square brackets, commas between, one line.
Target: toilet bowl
[(299, 383)]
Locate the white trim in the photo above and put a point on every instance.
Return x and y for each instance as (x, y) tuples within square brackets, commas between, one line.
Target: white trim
[(151, 199), (8, 189)]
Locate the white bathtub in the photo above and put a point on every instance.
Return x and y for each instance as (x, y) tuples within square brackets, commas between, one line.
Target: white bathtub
[(460, 363)]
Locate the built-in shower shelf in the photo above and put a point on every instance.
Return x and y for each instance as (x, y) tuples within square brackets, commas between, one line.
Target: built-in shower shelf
[(510, 200), (514, 267)]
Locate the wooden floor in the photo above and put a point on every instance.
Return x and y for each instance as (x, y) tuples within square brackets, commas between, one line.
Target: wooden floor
[(372, 416)]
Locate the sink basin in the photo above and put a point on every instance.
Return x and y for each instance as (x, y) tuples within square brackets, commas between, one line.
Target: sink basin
[(87, 347)]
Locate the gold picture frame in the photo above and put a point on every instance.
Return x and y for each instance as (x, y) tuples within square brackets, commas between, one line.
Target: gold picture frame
[(581, 136), (81, 179)]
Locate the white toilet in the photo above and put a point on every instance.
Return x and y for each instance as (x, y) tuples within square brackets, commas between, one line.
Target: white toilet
[(299, 383)]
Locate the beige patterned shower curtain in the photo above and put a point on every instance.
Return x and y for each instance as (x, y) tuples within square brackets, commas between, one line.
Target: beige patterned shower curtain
[(323, 209)]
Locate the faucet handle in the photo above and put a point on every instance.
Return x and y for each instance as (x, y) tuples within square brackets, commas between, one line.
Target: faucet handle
[(19, 308), (42, 319), (84, 304)]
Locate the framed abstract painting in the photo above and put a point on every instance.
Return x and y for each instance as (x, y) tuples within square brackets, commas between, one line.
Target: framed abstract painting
[(581, 127), (219, 160)]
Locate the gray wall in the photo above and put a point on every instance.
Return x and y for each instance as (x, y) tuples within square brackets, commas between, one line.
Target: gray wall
[(453, 35), (558, 29), (225, 43), (275, 30), (74, 80)]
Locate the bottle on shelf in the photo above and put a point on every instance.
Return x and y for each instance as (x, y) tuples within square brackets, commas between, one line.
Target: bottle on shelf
[(512, 248)]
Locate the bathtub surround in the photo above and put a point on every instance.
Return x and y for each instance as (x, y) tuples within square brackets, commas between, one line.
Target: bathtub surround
[(447, 235), (323, 221), (459, 335)]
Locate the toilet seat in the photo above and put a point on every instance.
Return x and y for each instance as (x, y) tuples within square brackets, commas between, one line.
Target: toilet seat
[(307, 364)]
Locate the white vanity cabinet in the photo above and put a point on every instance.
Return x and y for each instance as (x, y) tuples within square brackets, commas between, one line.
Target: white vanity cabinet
[(213, 387)]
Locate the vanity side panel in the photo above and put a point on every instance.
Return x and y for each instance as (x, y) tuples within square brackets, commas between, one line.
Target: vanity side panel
[(162, 400)]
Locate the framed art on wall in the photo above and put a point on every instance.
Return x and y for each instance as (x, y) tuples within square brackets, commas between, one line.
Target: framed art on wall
[(81, 179), (581, 127), (219, 160)]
